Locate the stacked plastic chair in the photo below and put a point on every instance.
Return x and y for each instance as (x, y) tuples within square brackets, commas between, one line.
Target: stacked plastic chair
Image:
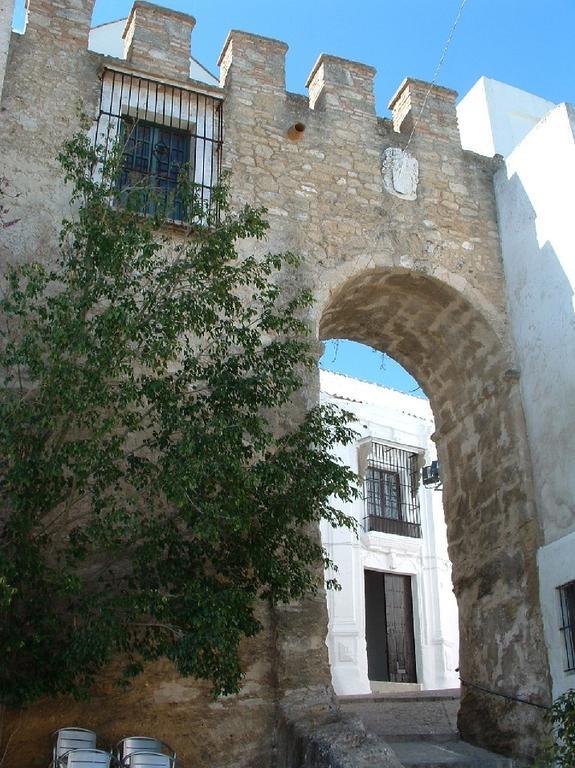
[(145, 752), (89, 758), (77, 748), (67, 739)]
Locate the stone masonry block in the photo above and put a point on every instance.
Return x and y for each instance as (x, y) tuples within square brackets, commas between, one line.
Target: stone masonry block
[(341, 84), (253, 62), (431, 107), (158, 40), (67, 19)]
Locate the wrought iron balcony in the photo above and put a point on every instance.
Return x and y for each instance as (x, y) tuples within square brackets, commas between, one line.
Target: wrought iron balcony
[(391, 491)]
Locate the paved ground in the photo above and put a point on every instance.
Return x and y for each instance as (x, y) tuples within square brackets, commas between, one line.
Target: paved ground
[(421, 728), (446, 754)]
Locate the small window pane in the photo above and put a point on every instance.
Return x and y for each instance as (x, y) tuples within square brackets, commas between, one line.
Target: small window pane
[(154, 156)]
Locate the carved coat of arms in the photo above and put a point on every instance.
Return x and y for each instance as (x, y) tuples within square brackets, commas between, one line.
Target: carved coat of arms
[(400, 173)]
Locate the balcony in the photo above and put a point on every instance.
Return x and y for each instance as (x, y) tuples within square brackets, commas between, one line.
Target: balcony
[(391, 491)]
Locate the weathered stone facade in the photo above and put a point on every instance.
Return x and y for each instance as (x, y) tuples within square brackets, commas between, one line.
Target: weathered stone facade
[(420, 279)]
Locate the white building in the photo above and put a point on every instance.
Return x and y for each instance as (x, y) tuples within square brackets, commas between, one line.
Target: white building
[(394, 621), (535, 192)]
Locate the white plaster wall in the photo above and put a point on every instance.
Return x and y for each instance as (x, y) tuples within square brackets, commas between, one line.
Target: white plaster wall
[(535, 193), (556, 567), (407, 422), (441, 638), (107, 38), (474, 121), (495, 117), (535, 199), (199, 72)]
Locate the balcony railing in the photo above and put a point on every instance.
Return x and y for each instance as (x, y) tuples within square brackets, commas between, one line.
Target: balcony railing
[(388, 525), (391, 491)]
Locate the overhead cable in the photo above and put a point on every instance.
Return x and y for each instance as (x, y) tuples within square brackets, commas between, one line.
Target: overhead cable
[(437, 70)]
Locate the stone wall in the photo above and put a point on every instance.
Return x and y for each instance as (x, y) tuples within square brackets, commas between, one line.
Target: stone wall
[(412, 270), (422, 280), (228, 732)]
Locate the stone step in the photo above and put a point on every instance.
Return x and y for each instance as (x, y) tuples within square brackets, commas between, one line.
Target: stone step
[(407, 717), (421, 728), (450, 754), (385, 688), (403, 693)]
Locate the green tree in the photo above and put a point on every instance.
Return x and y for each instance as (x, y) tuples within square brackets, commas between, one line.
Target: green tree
[(150, 488), (559, 749)]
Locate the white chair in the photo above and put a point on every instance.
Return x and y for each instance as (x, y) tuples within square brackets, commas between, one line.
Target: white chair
[(148, 759), (67, 739), (140, 744), (87, 758)]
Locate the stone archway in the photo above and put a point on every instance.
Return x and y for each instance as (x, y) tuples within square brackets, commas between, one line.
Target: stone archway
[(452, 350)]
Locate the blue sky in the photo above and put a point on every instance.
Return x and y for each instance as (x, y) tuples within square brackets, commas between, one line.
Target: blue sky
[(527, 43)]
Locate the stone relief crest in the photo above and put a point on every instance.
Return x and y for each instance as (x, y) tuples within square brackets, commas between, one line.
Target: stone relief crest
[(400, 173)]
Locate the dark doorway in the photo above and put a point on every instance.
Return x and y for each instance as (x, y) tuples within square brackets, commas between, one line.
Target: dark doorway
[(389, 628)]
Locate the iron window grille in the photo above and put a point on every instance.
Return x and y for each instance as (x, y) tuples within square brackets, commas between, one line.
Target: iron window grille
[(567, 604), (164, 130), (391, 491)]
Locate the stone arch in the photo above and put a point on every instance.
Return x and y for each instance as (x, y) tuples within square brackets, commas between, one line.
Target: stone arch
[(465, 367)]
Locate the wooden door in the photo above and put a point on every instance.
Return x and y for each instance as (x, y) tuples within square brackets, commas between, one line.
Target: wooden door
[(389, 627), (376, 626)]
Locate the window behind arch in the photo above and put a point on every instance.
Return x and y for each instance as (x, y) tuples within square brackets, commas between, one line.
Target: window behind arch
[(391, 491)]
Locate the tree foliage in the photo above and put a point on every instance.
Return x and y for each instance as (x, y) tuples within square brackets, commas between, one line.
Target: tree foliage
[(559, 751), (150, 492)]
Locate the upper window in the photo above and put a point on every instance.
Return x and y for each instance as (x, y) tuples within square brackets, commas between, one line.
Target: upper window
[(163, 129), (567, 603), (391, 491), (154, 157)]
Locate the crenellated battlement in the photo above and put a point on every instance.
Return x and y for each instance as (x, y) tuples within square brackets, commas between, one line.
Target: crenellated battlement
[(157, 42), (341, 84), (430, 107), (69, 20), (252, 61)]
